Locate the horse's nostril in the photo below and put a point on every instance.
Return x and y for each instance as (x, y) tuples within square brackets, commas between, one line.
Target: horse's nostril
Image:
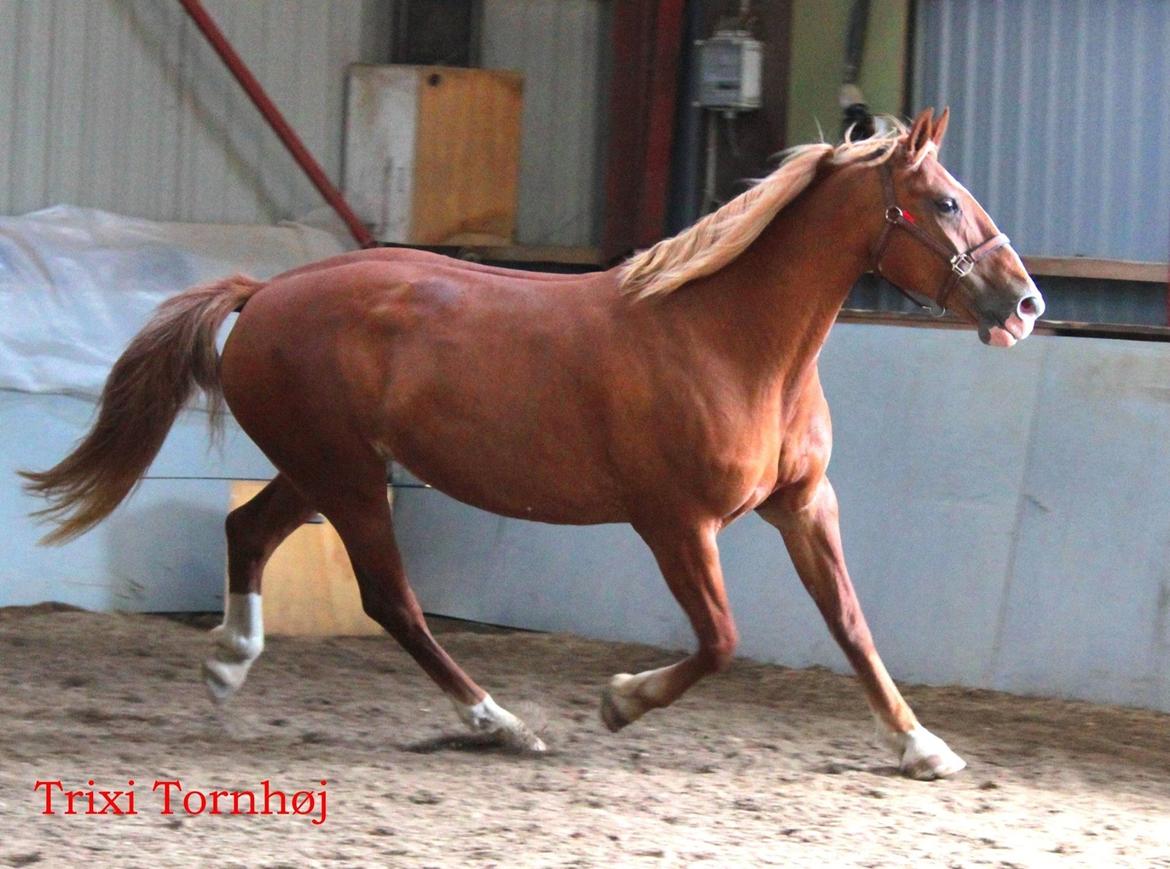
[(1030, 306)]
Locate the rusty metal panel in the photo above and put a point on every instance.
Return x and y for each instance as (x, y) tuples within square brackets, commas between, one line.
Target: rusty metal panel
[(121, 105), (560, 47)]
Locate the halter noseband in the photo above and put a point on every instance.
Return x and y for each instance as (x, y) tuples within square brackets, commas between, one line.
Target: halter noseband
[(961, 263)]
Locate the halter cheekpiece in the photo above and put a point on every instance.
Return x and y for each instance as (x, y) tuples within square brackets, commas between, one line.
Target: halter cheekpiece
[(961, 263)]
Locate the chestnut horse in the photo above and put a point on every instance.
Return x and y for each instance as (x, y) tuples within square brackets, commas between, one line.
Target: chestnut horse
[(675, 392)]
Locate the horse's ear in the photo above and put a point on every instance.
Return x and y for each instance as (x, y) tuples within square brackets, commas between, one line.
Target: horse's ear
[(919, 133), (940, 127)]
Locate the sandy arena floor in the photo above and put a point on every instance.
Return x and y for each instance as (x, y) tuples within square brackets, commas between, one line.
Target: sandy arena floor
[(760, 766)]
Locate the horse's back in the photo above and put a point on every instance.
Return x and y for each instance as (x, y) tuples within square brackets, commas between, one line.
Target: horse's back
[(466, 377), (405, 257)]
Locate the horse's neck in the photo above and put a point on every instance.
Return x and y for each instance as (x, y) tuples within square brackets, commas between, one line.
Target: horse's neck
[(772, 308)]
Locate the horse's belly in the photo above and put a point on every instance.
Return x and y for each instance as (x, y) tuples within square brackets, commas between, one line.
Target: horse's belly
[(522, 483), (512, 495)]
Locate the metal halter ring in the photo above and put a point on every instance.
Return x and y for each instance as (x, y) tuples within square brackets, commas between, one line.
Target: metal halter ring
[(961, 264)]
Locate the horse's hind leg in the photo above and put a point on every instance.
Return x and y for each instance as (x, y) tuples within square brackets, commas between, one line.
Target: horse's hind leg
[(813, 537), (254, 530), (689, 560), (364, 524)]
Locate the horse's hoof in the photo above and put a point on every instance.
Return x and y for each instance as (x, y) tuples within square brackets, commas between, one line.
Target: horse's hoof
[(611, 715), (925, 757), (933, 767), (523, 739), (218, 688), (518, 736), (620, 704), (499, 725), (224, 678)]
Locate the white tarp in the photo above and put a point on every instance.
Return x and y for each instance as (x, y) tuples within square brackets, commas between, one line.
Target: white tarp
[(76, 284)]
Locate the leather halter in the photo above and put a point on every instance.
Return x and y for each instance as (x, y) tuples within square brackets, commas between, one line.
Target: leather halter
[(961, 263)]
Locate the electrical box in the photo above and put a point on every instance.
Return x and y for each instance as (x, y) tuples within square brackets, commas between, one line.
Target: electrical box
[(432, 153), (730, 63)]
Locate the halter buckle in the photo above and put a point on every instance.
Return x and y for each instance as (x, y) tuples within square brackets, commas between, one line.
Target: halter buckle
[(895, 215), (961, 264)]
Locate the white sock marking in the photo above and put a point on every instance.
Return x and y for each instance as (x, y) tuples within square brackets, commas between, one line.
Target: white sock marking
[(487, 717), (238, 642), (921, 754)]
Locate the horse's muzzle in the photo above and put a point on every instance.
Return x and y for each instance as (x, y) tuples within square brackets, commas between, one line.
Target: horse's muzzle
[(1016, 326)]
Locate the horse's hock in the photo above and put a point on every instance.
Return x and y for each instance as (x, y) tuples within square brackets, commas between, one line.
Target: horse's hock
[(309, 586)]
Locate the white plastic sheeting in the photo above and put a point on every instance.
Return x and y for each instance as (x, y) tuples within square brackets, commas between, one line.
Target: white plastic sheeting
[(76, 284)]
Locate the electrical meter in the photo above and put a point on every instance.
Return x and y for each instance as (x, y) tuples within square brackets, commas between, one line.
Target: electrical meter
[(729, 71)]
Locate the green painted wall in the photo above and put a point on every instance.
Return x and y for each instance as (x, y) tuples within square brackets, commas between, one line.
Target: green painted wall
[(818, 59)]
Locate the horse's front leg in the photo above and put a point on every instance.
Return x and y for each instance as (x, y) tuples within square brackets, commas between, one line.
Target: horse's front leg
[(689, 561), (813, 537)]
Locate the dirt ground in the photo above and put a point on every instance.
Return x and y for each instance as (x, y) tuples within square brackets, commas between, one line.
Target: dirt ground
[(759, 766)]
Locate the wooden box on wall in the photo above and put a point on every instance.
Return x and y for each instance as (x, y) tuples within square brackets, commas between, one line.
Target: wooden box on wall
[(432, 154)]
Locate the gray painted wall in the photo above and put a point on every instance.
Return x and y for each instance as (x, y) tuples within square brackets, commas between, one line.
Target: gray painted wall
[(163, 551)]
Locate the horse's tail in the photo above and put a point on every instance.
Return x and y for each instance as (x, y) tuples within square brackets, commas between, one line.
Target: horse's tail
[(148, 386)]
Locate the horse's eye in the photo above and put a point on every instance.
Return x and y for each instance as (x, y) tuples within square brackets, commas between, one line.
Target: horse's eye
[(947, 205)]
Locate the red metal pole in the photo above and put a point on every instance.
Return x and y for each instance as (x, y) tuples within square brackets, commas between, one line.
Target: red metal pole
[(276, 121)]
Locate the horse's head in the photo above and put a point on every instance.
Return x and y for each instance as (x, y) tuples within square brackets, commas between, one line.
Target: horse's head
[(938, 242)]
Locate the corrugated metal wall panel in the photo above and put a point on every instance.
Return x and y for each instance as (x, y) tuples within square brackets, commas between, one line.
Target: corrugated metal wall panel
[(559, 46), (1061, 115), (122, 105)]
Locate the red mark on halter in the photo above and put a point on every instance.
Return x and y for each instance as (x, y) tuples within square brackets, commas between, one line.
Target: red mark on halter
[(910, 218)]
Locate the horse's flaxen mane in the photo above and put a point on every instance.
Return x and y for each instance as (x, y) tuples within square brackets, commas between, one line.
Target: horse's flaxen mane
[(723, 235)]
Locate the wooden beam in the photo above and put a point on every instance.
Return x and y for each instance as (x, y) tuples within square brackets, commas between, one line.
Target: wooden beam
[(1098, 269)]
